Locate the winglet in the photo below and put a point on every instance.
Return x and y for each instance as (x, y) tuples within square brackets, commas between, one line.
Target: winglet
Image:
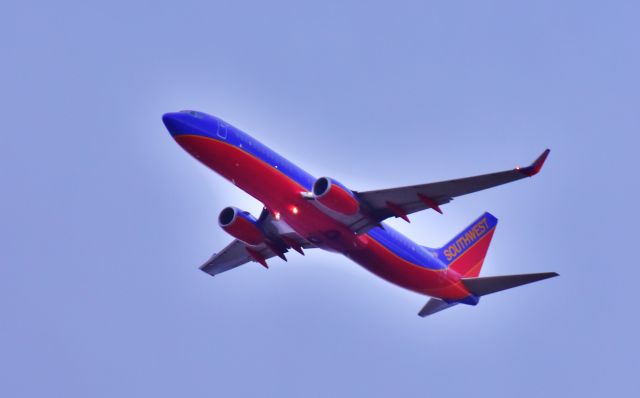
[(536, 166)]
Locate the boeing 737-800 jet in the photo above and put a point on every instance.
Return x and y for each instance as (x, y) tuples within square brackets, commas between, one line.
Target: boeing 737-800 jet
[(303, 212)]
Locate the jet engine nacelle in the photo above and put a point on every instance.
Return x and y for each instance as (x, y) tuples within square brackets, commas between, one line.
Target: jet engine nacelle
[(241, 225), (335, 196)]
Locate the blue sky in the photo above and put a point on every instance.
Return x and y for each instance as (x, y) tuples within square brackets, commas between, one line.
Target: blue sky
[(105, 219)]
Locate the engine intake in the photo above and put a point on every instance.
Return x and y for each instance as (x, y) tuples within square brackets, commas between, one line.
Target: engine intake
[(335, 196), (241, 225)]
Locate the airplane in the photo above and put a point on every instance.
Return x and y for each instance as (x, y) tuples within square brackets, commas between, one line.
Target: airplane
[(303, 212)]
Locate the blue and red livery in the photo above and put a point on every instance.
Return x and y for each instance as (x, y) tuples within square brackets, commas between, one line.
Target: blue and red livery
[(301, 211)]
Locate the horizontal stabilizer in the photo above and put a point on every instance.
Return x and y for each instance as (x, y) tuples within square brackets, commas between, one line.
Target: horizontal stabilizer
[(434, 305), (491, 284)]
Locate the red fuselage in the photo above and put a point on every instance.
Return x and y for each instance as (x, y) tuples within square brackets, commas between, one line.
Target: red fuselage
[(278, 184)]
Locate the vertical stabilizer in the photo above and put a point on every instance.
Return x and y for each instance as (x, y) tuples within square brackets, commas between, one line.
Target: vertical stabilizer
[(466, 252)]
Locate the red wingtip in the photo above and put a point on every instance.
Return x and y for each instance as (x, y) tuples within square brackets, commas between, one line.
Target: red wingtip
[(536, 166)]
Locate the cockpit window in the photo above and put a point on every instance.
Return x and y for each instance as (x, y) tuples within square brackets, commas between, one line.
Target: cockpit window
[(194, 114)]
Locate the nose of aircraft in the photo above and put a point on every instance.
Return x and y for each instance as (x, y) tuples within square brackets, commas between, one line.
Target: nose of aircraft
[(173, 122), (191, 123)]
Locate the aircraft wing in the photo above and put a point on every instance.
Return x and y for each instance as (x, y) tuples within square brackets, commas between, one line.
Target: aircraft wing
[(279, 241), (401, 201), (234, 255)]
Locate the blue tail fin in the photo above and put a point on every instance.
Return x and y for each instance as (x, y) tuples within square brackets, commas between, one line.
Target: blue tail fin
[(466, 252)]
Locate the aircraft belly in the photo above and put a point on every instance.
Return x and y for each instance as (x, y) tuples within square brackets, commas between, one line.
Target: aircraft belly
[(281, 195), (383, 263)]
